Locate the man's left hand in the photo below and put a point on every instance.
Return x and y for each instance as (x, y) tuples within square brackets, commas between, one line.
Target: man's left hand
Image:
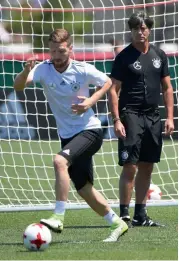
[(169, 126), (81, 107)]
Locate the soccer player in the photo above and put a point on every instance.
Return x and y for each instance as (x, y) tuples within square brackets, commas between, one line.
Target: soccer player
[(66, 86), (137, 75)]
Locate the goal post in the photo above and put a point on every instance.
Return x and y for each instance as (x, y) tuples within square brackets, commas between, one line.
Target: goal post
[(28, 133)]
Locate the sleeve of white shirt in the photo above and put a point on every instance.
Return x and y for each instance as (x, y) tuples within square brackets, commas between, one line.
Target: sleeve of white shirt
[(95, 76), (36, 73)]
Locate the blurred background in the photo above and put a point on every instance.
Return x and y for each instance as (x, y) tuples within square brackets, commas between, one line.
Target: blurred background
[(90, 29)]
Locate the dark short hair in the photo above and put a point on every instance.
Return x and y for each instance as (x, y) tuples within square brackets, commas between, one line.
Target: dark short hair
[(60, 36), (139, 18)]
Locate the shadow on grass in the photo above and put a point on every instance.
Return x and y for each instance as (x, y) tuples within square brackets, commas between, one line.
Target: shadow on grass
[(60, 241), (53, 243), (84, 227)]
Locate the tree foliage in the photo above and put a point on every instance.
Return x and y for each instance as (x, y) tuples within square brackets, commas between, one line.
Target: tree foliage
[(35, 26)]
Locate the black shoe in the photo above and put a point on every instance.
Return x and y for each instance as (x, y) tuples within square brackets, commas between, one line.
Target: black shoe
[(145, 222), (128, 221)]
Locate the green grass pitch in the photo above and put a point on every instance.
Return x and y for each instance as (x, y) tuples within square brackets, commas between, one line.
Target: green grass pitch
[(83, 234), (27, 165)]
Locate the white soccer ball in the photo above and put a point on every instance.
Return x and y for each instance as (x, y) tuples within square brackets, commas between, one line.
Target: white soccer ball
[(37, 237), (154, 192)]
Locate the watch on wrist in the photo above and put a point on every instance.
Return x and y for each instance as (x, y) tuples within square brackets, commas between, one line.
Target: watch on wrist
[(116, 119)]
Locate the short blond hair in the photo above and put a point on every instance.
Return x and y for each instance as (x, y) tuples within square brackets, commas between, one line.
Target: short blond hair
[(60, 36)]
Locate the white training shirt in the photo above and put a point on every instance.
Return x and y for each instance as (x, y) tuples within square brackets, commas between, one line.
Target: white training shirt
[(62, 89)]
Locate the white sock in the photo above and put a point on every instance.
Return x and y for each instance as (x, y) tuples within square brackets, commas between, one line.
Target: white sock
[(109, 217), (60, 207)]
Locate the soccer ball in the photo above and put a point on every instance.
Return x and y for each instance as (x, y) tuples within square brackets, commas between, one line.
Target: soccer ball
[(37, 237), (154, 192)]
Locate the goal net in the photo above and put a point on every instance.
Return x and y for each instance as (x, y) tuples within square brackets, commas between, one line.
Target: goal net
[(28, 134)]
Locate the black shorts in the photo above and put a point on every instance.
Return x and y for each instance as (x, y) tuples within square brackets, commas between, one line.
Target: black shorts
[(78, 150), (143, 138)]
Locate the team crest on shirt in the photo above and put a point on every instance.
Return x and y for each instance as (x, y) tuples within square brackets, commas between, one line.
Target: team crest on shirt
[(75, 86), (156, 62), (124, 155), (137, 65)]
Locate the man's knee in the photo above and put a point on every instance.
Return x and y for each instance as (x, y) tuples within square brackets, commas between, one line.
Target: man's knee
[(60, 163), (145, 167), (129, 170)]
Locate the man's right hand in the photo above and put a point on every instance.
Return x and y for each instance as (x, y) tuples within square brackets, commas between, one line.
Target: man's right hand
[(30, 63), (23, 79), (119, 130)]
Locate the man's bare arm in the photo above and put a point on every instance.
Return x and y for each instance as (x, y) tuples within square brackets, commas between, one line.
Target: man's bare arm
[(114, 93), (100, 91), (168, 96), (23, 78), (167, 90), (87, 103), (113, 98)]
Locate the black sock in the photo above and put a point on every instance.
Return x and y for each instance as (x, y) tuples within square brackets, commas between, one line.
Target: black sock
[(124, 210), (140, 210)]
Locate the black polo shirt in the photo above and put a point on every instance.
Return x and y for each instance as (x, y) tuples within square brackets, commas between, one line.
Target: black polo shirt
[(141, 76)]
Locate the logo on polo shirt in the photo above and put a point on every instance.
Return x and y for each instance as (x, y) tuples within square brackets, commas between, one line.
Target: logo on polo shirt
[(156, 62), (75, 86), (137, 65), (52, 85), (63, 83)]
